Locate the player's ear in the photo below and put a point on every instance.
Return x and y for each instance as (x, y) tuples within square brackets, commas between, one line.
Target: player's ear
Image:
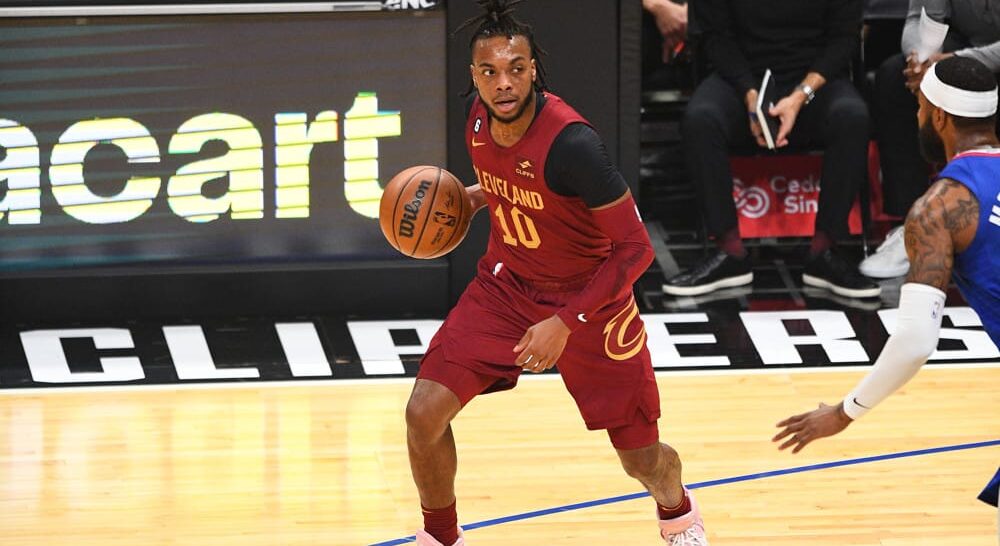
[(534, 70), (939, 118), (472, 72)]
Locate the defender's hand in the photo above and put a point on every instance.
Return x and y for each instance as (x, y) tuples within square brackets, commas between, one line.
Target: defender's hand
[(542, 345), (806, 427)]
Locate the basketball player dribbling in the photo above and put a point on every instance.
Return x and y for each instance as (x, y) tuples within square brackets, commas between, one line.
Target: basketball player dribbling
[(953, 231), (555, 286)]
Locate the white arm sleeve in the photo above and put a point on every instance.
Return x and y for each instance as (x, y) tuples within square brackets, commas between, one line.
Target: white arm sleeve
[(914, 341)]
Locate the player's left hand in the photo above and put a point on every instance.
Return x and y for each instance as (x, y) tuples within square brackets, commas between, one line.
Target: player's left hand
[(787, 110), (806, 427), (542, 345)]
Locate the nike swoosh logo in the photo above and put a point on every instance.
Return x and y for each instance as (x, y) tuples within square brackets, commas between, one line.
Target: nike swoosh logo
[(477, 144), (581, 318), (859, 403)]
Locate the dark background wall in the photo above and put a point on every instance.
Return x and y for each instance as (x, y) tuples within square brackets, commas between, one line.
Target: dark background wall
[(592, 62)]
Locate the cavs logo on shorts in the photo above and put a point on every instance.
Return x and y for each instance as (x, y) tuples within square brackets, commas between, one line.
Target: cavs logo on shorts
[(616, 329)]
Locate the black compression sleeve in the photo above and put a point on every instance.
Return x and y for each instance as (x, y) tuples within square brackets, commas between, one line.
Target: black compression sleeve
[(578, 166)]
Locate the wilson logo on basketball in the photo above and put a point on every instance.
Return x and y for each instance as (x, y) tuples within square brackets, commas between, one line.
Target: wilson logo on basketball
[(615, 345), (412, 209), (523, 168)]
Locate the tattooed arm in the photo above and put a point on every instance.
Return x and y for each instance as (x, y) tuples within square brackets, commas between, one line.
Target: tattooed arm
[(940, 224)]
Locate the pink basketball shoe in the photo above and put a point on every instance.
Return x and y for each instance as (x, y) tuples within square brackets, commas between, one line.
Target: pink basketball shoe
[(425, 539), (686, 530)]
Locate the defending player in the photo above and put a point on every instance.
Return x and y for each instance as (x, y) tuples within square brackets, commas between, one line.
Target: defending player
[(555, 285), (953, 231)]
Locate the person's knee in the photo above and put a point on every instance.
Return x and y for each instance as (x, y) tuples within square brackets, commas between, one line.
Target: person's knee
[(850, 119), (423, 422), (429, 411)]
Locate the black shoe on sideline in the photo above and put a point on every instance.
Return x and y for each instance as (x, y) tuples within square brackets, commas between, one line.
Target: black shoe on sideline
[(719, 270), (830, 271)]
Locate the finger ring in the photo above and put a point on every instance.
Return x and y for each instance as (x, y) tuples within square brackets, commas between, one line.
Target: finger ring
[(529, 358)]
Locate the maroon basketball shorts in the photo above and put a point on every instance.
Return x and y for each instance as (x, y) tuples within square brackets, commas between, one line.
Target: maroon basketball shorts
[(606, 366)]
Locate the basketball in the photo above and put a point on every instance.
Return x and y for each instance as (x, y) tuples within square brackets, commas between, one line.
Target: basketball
[(425, 212)]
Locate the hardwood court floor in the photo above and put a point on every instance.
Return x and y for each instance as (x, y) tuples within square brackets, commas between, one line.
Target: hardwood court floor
[(325, 463)]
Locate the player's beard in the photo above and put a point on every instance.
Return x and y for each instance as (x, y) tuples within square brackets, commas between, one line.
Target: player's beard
[(513, 116), (931, 145)]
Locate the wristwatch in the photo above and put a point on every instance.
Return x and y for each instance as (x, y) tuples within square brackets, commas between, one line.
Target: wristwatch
[(807, 89)]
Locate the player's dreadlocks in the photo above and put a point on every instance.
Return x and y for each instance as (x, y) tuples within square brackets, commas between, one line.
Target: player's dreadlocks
[(499, 20)]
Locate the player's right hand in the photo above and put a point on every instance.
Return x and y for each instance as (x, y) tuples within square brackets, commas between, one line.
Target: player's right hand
[(806, 427), (542, 345)]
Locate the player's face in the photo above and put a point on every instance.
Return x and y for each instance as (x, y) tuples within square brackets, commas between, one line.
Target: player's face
[(931, 144), (504, 73)]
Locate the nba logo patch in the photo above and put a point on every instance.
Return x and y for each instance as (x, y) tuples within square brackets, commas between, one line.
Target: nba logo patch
[(444, 218)]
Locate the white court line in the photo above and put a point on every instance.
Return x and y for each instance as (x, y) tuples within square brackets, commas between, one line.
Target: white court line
[(300, 383)]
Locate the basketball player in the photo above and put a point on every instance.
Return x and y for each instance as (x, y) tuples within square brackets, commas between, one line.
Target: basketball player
[(555, 286), (953, 231)]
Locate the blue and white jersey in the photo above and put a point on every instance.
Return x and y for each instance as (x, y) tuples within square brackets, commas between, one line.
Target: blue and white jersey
[(977, 270)]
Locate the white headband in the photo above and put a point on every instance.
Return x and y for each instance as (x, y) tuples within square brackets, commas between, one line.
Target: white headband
[(955, 101)]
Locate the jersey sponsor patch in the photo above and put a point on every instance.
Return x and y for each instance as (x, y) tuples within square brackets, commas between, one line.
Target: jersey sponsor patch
[(525, 167)]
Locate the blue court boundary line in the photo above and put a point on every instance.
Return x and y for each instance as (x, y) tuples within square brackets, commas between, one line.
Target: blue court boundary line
[(709, 483)]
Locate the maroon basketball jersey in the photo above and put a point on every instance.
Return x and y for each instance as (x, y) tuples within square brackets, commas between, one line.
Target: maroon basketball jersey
[(536, 233)]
